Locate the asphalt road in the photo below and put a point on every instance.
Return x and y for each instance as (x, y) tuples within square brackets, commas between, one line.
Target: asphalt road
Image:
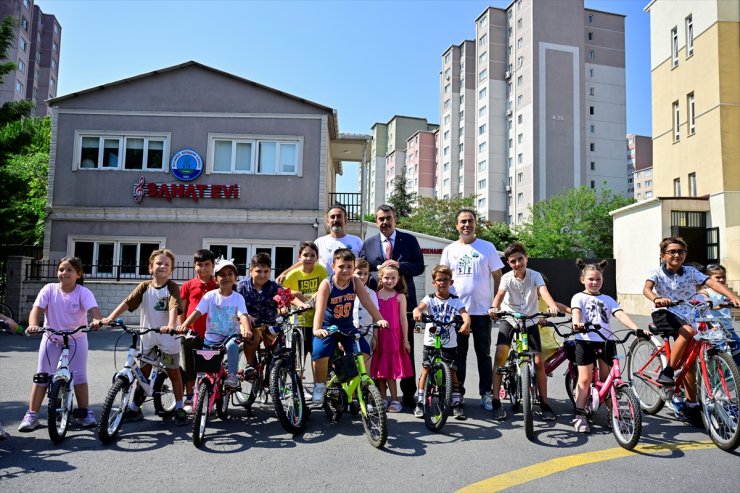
[(256, 454)]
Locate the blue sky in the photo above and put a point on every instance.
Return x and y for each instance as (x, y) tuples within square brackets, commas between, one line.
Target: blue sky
[(369, 60)]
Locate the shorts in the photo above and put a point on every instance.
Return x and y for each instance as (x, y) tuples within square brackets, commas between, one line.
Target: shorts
[(51, 349), (307, 340), (588, 351), (506, 334), (324, 348), (667, 322), (187, 362), (449, 355), (168, 345)]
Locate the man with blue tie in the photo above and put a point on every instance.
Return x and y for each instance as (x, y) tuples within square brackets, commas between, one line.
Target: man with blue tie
[(402, 250)]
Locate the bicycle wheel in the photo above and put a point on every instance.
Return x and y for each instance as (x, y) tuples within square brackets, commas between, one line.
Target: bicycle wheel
[(719, 401), (59, 410), (222, 404), (571, 382), (200, 417), (437, 396), (7, 311), (638, 356), (298, 348), (512, 382), (287, 396), (526, 389), (164, 395), (334, 401), (115, 404), (626, 418), (374, 420)]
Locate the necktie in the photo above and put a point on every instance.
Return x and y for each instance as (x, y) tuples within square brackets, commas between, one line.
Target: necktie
[(388, 249)]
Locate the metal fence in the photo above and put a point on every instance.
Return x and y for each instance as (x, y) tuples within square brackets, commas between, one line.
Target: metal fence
[(47, 270), (351, 202)]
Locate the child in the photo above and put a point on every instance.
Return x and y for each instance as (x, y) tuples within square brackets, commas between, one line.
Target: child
[(360, 316), (191, 292), (518, 292), (718, 273), (391, 361), (159, 300), (64, 306), (334, 305), (226, 312), (674, 281), (592, 306), (443, 306)]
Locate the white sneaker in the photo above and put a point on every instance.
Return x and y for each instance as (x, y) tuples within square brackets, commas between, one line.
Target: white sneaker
[(88, 421), (30, 422), (486, 402), (318, 393)]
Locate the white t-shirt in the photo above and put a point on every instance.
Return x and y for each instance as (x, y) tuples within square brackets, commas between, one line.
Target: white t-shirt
[(155, 307), (472, 265), (596, 309), (521, 294), (444, 311), (222, 313), (327, 245), (65, 311)]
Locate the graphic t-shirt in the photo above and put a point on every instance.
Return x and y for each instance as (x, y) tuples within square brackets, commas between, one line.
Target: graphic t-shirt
[(472, 265), (193, 291), (596, 309), (222, 314), (681, 285), (308, 284), (155, 301), (444, 311)]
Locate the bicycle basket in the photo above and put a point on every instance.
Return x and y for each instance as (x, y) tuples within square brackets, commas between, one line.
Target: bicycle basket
[(345, 368), (207, 360)]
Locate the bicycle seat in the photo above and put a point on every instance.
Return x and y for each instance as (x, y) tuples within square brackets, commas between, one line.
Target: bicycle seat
[(662, 331)]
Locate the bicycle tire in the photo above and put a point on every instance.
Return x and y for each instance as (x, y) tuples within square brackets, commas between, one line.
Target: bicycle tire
[(720, 414), (334, 401), (527, 411), (287, 396), (163, 395), (7, 311), (513, 386), (59, 411), (111, 417), (571, 382), (626, 419), (437, 396), (638, 355), (374, 420), (200, 415), (222, 404)]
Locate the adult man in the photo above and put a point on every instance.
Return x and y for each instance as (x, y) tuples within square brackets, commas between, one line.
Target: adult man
[(401, 250), (472, 261)]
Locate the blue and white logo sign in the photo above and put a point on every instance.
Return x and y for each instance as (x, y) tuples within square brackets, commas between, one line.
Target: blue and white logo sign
[(187, 165)]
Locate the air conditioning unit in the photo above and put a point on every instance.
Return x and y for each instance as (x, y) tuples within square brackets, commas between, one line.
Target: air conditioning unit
[(508, 112), (507, 75), (507, 188)]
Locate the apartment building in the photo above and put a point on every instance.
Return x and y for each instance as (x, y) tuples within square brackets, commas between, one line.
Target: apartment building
[(640, 166), (548, 110), (36, 54), (421, 162)]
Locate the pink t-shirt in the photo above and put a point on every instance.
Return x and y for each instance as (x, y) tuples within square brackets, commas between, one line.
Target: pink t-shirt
[(65, 311)]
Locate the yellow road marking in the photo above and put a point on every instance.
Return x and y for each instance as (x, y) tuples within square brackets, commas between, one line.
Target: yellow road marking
[(560, 464)]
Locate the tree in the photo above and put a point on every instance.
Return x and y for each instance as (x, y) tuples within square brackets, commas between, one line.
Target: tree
[(500, 234), (435, 217), (401, 199)]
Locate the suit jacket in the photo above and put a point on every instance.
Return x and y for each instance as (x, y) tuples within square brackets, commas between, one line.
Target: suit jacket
[(406, 251)]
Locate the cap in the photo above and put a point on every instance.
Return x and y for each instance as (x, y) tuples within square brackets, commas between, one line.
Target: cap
[(221, 263)]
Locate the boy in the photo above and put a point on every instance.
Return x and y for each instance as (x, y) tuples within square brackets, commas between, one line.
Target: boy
[(360, 316), (159, 300), (334, 305), (443, 306), (518, 292), (191, 292), (670, 282)]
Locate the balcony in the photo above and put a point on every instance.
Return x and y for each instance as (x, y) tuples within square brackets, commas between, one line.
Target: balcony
[(351, 202)]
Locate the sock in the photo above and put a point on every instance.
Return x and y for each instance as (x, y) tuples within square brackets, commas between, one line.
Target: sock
[(420, 396), (178, 404)]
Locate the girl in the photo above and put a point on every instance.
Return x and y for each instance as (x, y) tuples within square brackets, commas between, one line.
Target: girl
[(361, 316), (592, 306), (718, 273), (391, 360), (64, 306), (227, 314)]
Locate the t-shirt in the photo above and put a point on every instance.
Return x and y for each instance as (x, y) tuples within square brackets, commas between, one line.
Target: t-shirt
[(521, 294), (677, 286), (596, 309), (472, 265), (155, 301), (327, 245), (444, 311), (192, 291), (222, 314), (260, 303), (360, 315), (65, 311), (308, 284)]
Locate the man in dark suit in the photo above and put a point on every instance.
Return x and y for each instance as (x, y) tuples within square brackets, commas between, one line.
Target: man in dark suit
[(405, 254)]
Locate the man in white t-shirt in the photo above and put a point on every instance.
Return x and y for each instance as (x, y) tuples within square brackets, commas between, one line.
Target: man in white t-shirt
[(474, 262)]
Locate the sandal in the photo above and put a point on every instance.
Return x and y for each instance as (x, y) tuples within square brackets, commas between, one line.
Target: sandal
[(581, 424), (395, 407)]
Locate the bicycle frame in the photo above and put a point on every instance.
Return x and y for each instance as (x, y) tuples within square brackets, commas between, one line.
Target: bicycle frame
[(351, 387), (132, 372)]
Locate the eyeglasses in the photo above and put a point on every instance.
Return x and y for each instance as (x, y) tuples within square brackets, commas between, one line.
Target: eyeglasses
[(442, 281), (676, 253)]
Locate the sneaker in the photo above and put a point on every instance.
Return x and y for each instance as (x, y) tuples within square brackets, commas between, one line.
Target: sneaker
[(666, 377), (486, 402), (307, 396), (131, 415), (87, 421), (318, 393), (458, 412), (188, 406), (456, 399), (419, 411), (30, 422), (395, 407), (3, 434), (678, 406), (231, 381), (498, 410), (547, 413), (181, 417), (581, 424)]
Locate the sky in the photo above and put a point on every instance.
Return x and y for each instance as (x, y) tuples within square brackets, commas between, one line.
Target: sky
[(369, 60)]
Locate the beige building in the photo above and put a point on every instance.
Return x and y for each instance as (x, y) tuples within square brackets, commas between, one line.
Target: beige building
[(695, 65)]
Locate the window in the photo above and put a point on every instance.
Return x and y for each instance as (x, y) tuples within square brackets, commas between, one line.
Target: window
[(692, 185), (22, 44), (448, 72), (446, 151), (447, 57), (592, 129), (482, 93), (519, 62), (124, 256), (593, 184), (483, 20), (648, 183), (482, 147), (482, 111), (520, 81), (241, 251), (519, 217), (482, 129), (689, 36), (483, 75), (676, 122), (591, 72), (21, 67), (19, 87), (265, 156), (648, 194), (482, 57), (447, 89), (519, 158), (519, 197), (446, 167), (460, 148), (590, 54), (52, 84), (446, 135), (590, 36), (54, 46), (447, 119), (590, 18), (591, 110), (483, 40), (511, 143), (519, 100), (53, 65), (482, 165), (136, 151), (519, 42), (481, 184), (591, 91), (677, 187), (24, 24), (519, 138), (481, 203), (56, 28), (519, 119), (593, 165), (446, 104), (674, 46), (519, 24), (592, 147), (446, 182), (519, 177), (692, 116)]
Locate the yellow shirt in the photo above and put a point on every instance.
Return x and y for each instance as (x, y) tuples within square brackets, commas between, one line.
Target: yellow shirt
[(308, 284)]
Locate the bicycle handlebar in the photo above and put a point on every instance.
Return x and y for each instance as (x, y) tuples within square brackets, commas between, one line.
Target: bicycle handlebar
[(521, 316), (456, 322), (222, 344), (590, 327), (38, 330), (363, 330)]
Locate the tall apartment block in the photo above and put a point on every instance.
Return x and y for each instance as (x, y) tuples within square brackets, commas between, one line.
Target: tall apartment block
[(36, 54), (421, 163), (640, 166), (548, 109)]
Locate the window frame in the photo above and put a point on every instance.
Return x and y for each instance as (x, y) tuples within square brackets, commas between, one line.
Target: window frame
[(689, 36), (691, 113), (118, 242), (676, 115), (255, 140), (252, 246), (674, 47), (103, 135)]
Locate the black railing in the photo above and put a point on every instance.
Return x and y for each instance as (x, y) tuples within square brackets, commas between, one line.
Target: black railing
[(47, 271), (351, 202)]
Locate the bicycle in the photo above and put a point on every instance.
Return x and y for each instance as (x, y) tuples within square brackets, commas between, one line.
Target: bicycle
[(254, 385), (157, 386), (210, 364), (61, 392), (437, 396), (348, 380), (707, 354)]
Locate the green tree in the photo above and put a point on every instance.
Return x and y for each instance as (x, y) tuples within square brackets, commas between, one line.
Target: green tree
[(401, 199), (434, 216), (500, 234)]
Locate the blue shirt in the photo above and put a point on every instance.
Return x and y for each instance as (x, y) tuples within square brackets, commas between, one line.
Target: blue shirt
[(260, 304)]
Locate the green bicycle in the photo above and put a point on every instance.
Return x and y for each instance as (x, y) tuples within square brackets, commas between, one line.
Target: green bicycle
[(348, 380)]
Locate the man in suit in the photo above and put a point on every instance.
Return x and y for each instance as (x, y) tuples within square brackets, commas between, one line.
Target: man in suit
[(401, 250)]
